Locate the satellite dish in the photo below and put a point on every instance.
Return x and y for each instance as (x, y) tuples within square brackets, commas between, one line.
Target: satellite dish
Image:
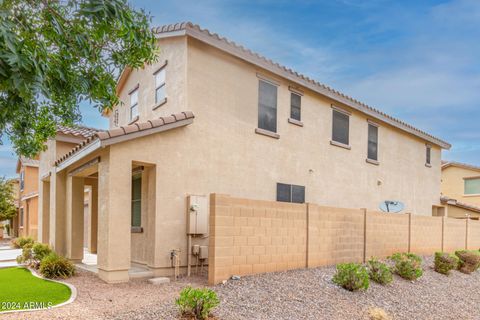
[(391, 206)]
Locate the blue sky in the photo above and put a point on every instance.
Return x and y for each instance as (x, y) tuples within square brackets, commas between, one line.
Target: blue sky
[(416, 60)]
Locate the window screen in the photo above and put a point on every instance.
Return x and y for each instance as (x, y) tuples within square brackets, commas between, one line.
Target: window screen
[(267, 106), (21, 217), (160, 86), (340, 127), (137, 200), (472, 186), (428, 155), (372, 142), (295, 106), (133, 104), (290, 193)]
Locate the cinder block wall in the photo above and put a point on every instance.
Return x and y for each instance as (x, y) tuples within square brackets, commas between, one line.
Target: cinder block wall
[(253, 236)]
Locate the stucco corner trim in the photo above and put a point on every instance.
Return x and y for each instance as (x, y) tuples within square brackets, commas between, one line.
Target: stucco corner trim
[(371, 161), (295, 122), (267, 133), (161, 103), (341, 145)]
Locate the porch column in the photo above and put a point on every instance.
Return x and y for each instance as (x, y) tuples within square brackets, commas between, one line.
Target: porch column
[(57, 212), (44, 212), (114, 217), (74, 218)]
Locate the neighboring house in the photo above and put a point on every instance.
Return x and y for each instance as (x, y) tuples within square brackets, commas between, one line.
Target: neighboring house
[(460, 189), (212, 116), (12, 230), (27, 219)]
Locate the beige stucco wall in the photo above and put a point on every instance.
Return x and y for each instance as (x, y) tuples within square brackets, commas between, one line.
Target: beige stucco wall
[(453, 184), (30, 203), (220, 152)]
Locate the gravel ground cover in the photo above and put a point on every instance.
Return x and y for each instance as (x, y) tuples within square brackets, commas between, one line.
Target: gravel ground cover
[(298, 294)]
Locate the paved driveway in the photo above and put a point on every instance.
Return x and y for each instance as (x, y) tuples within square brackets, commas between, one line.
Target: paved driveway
[(8, 256)]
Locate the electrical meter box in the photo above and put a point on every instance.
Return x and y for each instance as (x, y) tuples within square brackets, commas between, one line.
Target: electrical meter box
[(197, 214)]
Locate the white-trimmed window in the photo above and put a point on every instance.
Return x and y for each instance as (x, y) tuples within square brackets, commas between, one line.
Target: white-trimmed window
[(428, 155), (472, 186), (133, 104), (267, 106), (372, 152), (160, 94), (340, 127)]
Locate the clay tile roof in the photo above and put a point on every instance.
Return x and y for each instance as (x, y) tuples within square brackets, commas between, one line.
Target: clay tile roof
[(233, 48), (454, 202), (78, 131), (126, 130)]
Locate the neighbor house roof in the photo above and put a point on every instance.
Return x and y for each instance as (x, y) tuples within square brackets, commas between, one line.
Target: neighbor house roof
[(213, 39), (447, 164), (77, 131), (456, 203), (124, 133)]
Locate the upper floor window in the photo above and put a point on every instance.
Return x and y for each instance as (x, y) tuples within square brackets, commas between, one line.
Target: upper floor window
[(372, 152), (115, 118), (22, 180), (21, 217), (472, 186), (160, 86), (267, 106), (290, 193), (340, 127), (295, 106), (133, 104), (428, 155)]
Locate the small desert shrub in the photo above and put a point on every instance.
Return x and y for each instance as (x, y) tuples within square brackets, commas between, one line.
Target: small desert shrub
[(32, 255), (55, 266), (21, 242), (407, 265), (197, 302), (445, 262), (351, 276), (469, 260), (378, 314), (379, 271)]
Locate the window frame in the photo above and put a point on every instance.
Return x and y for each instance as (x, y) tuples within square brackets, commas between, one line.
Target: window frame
[(21, 219), (290, 192), (292, 94), (465, 186), (428, 155), (22, 179), (136, 176), (259, 105), (371, 124), (339, 111), (131, 94), (161, 85)]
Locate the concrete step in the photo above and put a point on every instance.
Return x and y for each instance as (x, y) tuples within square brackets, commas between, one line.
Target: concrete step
[(159, 280), (140, 274)]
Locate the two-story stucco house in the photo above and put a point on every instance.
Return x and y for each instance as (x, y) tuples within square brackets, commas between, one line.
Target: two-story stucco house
[(212, 116), (25, 224), (460, 189)]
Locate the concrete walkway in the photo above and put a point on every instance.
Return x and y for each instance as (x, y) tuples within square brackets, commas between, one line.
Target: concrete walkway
[(8, 257)]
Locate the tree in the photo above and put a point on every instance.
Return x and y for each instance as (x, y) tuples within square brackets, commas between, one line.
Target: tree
[(55, 54), (7, 200)]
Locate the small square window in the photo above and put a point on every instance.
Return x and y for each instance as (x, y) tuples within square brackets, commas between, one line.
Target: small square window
[(290, 193)]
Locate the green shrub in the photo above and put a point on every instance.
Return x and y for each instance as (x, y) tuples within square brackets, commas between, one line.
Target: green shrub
[(21, 242), (55, 266), (379, 271), (445, 262), (197, 302), (26, 256), (407, 265), (469, 260), (32, 255), (351, 276)]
